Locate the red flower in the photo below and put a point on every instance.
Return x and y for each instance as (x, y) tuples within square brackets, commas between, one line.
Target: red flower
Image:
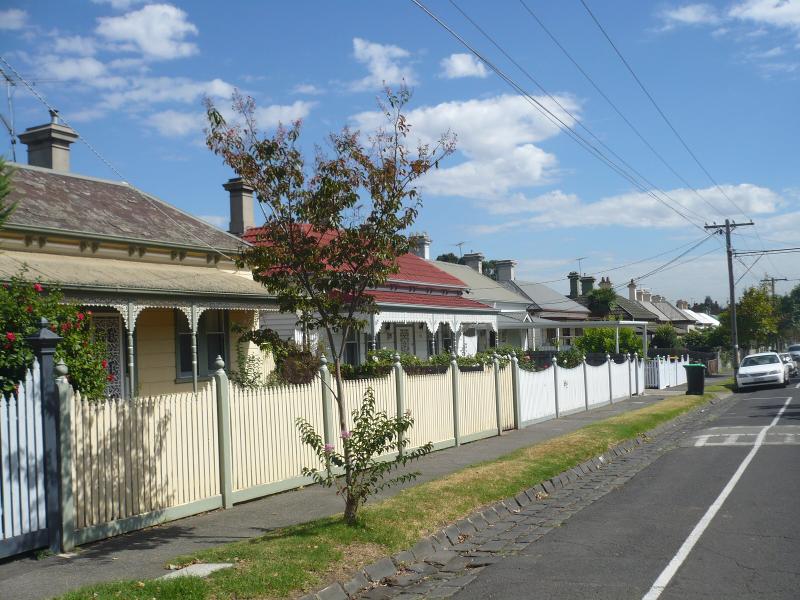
[(104, 363), (65, 327), (10, 336), (29, 308), (88, 312), (110, 377), (37, 287), (80, 317)]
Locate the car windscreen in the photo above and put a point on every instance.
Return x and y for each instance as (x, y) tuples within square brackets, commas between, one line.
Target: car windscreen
[(794, 348), (752, 361)]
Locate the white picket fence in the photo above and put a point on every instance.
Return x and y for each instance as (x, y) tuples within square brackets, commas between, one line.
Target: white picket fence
[(665, 372), (23, 514)]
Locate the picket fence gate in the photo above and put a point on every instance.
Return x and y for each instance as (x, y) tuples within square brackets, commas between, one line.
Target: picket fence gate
[(122, 465), (665, 372)]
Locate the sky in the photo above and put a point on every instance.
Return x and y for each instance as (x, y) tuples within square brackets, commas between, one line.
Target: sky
[(534, 178)]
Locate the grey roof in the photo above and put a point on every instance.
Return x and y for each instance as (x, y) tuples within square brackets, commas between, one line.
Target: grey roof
[(515, 319), (548, 300), (481, 287), (671, 312), (68, 203), (649, 306), (127, 276), (636, 311)]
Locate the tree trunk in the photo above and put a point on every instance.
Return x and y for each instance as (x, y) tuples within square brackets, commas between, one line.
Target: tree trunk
[(350, 510), (351, 503)]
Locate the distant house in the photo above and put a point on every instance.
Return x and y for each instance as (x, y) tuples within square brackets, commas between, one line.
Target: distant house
[(423, 310), (163, 286)]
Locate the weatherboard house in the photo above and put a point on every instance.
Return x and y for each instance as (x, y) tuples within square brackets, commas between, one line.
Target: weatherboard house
[(162, 285)]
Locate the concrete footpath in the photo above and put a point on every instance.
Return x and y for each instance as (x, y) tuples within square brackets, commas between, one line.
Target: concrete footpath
[(143, 554)]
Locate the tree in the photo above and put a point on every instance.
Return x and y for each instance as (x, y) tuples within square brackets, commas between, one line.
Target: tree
[(707, 306), (333, 230), (603, 340), (665, 336), (756, 318), (601, 301), (449, 257), (5, 189)]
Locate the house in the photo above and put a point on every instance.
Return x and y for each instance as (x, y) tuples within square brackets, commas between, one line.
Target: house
[(678, 319), (701, 319), (162, 285), (514, 323), (422, 310)]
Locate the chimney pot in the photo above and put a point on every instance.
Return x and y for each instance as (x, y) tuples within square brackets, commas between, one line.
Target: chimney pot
[(421, 245), (474, 260), (587, 284), (506, 270), (241, 203), (48, 145), (574, 277)]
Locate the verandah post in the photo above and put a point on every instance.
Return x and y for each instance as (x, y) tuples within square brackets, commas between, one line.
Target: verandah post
[(67, 499), (515, 390), (555, 381), (497, 399), (399, 392), (44, 344), (454, 374), (224, 433)]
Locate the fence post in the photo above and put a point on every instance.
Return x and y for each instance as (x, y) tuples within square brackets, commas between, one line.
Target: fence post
[(327, 402), (224, 433), (399, 393), (44, 344), (454, 374), (555, 380), (610, 380), (630, 376), (585, 383), (65, 432), (515, 391), (636, 369), (497, 406)]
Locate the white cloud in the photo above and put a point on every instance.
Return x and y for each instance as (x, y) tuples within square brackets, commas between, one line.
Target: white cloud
[(75, 44), (462, 65), (173, 123), (12, 19), (158, 31), (119, 4), (690, 14), (307, 89), (144, 91), (635, 209), (778, 13), (497, 136), (270, 116), (386, 64), (83, 69)]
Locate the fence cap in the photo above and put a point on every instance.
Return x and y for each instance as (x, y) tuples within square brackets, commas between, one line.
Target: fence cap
[(61, 368), (219, 363), (44, 338)]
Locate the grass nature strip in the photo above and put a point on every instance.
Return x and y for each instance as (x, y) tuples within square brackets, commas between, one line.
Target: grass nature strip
[(288, 561)]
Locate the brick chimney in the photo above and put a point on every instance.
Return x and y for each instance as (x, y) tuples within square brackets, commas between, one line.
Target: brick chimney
[(506, 270), (241, 199), (574, 277), (421, 245), (646, 296), (474, 260), (639, 295), (605, 283), (587, 284), (48, 145), (632, 290)]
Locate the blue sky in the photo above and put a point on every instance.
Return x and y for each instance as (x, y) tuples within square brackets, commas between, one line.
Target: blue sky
[(130, 76)]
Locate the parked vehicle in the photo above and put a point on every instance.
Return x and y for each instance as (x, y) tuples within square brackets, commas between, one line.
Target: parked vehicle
[(764, 368), (789, 360), (794, 350)]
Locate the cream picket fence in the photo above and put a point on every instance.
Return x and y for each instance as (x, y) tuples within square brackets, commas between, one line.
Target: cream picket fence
[(430, 400), (506, 398), (135, 459), (477, 416)]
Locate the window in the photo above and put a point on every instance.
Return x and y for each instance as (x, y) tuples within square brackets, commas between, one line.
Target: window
[(447, 338), (211, 342), (351, 351)]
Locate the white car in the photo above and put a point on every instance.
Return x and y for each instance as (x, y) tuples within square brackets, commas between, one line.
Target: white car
[(764, 368)]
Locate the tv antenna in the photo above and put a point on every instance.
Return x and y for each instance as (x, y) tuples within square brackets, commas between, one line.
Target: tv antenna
[(580, 260), (460, 247)]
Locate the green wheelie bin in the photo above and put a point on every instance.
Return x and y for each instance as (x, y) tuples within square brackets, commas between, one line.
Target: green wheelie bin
[(695, 378)]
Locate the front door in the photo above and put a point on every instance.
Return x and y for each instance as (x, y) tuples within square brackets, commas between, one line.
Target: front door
[(108, 327), (405, 340)]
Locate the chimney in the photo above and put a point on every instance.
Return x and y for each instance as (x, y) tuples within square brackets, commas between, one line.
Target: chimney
[(505, 270), (574, 278), (639, 295), (646, 296), (587, 284), (241, 197), (474, 260), (421, 245), (657, 298), (632, 290), (48, 145), (605, 283)]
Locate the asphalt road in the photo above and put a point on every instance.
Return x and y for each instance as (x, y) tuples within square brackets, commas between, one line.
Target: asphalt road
[(717, 517)]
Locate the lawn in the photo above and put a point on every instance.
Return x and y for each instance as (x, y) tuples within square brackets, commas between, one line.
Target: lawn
[(293, 560)]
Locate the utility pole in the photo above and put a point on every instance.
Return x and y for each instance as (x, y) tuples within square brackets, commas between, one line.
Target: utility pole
[(728, 227)]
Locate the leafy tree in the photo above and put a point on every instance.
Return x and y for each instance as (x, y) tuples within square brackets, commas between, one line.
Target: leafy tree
[(449, 257), (665, 336), (707, 306), (602, 339), (333, 230), (23, 303), (489, 268), (756, 318), (601, 301), (5, 189), (788, 308)]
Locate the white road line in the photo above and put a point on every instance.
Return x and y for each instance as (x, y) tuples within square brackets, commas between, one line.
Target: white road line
[(683, 552), (701, 440), (797, 386)]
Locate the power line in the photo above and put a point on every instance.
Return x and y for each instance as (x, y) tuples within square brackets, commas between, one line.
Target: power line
[(94, 151), (616, 108), (550, 116), (580, 123)]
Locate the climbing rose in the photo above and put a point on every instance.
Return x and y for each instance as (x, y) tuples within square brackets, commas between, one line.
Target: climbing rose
[(10, 336), (37, 287), (110, 377), (80, 317), (29, 308), (328, 448), (105, 363)]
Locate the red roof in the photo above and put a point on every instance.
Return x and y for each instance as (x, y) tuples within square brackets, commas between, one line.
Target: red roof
[(422, 299)]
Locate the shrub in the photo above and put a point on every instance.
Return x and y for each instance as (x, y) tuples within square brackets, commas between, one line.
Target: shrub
[(570, 359), (665, 336), (601, 339), (22, 305)]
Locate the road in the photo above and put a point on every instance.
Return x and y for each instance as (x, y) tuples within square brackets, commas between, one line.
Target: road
[(716, 517)]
